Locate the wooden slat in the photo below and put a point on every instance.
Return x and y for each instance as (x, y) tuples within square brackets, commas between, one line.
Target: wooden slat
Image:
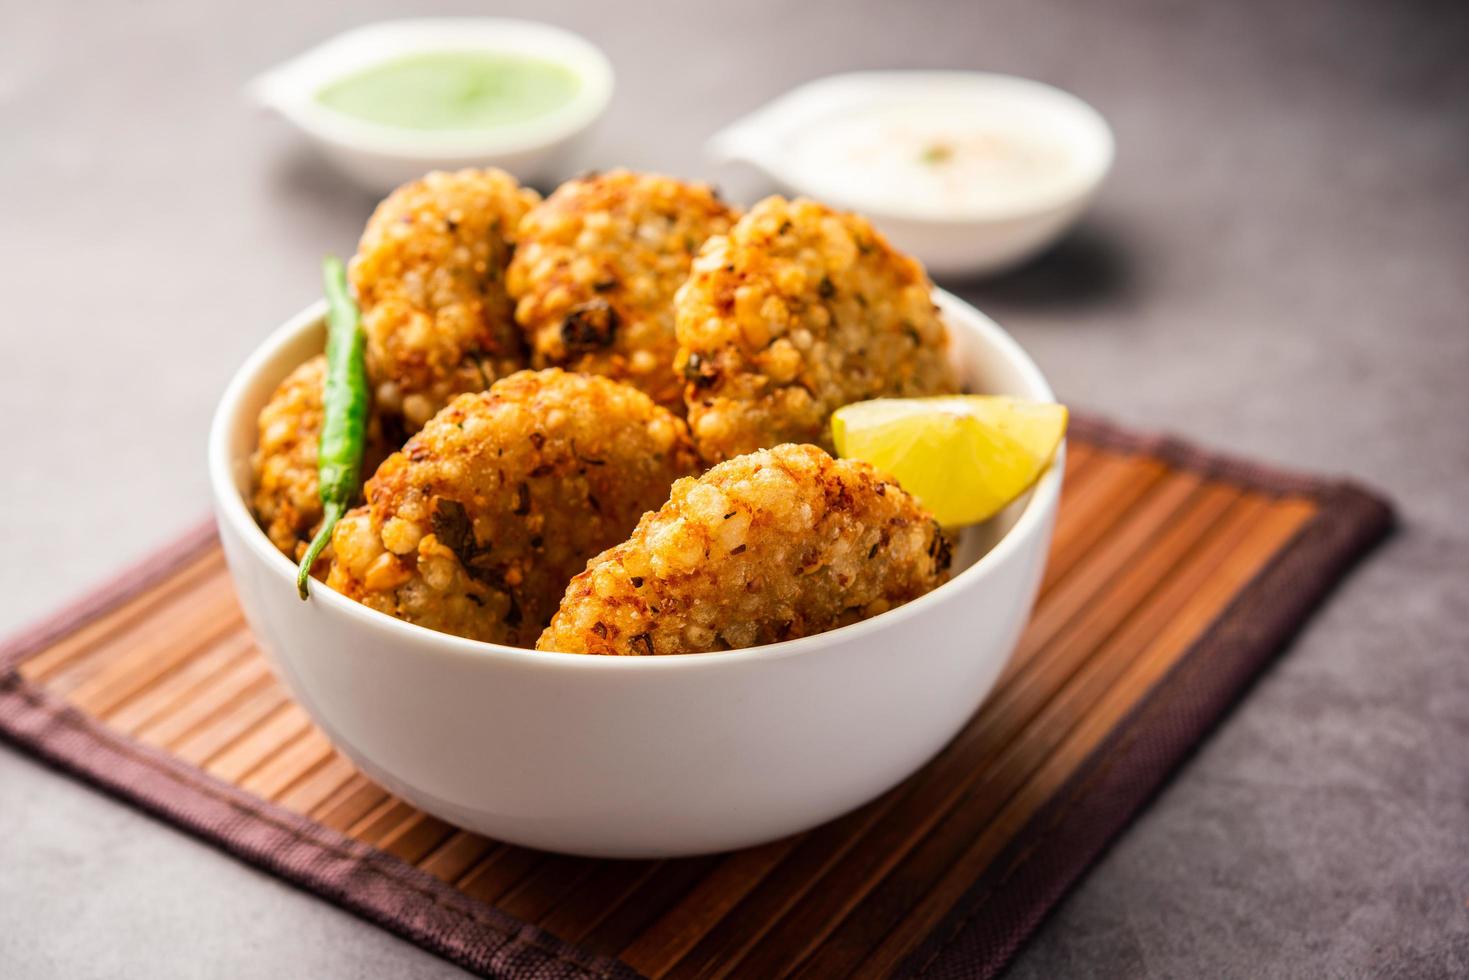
[(200, 728), (210, 609), (612, 883), (349, 804), (133, 674), (382, 820), (669, 939), (239, 757), (456, 855), (188, 682), (500, 871), (779, 891), (1115, 484), (1143, 559), (316, 786), (1101, 566), (416, 838), (668, 883), (290, 762), (197, 574), (1078, 454), (1144, 516), (545, 887)]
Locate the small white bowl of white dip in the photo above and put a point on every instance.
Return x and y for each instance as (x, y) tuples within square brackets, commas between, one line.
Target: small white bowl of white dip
[(971, 172)]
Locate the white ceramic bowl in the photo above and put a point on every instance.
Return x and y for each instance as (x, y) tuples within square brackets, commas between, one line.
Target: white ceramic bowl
[(379, 158), (634, 756), (984, 241)]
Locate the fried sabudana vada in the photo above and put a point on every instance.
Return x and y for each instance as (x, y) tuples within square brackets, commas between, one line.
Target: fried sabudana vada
[(286, 500), (595, 269), (476, 526), (770, 546), (430, 277), (798, 311)]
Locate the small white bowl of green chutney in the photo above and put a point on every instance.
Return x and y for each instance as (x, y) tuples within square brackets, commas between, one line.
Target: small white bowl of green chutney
[(390, 101)]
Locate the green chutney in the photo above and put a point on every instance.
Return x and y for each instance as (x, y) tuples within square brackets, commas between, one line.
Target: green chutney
[(453, 90)]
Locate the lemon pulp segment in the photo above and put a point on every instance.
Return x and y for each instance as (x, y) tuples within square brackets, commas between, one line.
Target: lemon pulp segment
[(965, 457)]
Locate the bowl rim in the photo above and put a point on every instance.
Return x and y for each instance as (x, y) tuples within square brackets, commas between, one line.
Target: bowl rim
[(291, 87), (799, 103), (231, 507)]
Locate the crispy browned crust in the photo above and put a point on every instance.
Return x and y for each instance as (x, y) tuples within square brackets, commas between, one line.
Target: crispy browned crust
[(595, 269), (476, 526), (798, 311), (777, 544), (285, 498), (430, 278)]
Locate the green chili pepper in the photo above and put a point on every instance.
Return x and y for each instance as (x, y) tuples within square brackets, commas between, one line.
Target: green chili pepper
[(344, 412)]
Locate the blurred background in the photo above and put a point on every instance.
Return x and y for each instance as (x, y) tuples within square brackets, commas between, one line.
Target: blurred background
[(1276, 266)]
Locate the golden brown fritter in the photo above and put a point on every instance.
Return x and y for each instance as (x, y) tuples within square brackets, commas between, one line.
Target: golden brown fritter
[(430, 278), (798, 311), (285, 499), (595, 269), (476, 526), (777, 544)]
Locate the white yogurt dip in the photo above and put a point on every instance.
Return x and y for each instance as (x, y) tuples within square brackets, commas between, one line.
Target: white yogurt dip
[(939, 158), (971, 172)]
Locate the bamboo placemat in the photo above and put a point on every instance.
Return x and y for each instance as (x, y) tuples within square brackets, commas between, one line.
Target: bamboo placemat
[(1174, 576)]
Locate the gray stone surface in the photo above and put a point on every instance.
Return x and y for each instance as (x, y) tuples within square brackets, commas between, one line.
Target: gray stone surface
[(1280, 267)]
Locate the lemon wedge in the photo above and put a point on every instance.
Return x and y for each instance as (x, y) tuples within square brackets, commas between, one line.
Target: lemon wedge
[(963, 456)]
